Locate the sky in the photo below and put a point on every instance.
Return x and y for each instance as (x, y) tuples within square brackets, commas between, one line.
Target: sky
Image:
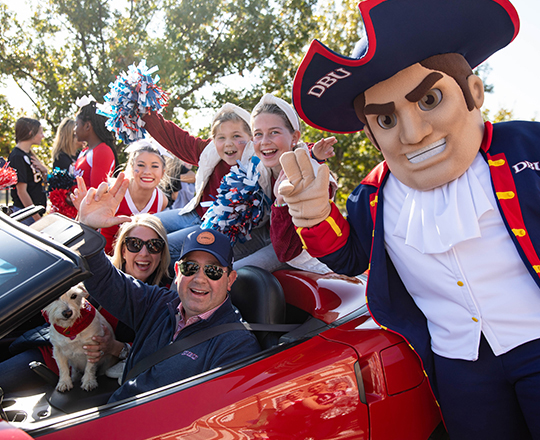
[(515, 69)]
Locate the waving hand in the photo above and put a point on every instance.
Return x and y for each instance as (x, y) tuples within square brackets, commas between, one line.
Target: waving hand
[(97, 207)]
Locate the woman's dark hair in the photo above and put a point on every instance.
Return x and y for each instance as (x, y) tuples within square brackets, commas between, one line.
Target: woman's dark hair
[(26, 128), (88, 113)]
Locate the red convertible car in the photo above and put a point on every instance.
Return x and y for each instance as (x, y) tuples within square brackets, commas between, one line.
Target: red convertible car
[(335, 375)]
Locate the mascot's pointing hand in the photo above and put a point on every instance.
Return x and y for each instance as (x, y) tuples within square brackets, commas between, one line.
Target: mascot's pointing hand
[(305, 193)]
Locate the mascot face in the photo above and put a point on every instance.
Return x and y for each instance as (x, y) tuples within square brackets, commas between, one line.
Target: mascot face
[(420, 121)]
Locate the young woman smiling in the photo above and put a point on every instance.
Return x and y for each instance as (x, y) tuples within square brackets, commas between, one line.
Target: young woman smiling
[(142, 250), (145, 170)]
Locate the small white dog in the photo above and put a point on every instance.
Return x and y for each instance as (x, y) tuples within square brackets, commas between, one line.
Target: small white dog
[(73, 323)]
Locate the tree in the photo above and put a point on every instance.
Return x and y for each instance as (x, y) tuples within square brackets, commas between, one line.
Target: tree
[(75, 47), (7, 127)]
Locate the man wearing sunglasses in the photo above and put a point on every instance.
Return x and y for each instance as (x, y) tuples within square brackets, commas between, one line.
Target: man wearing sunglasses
[(161, 316)]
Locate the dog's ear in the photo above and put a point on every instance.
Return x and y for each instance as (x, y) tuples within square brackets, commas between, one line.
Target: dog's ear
[(84, 292)]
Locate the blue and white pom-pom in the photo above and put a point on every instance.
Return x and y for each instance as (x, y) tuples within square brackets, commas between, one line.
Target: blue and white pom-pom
[(132, 95), (60, 179), (240, 205)]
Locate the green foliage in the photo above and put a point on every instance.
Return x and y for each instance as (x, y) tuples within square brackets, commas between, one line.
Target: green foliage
[(7, 127), (500, 116), (77, 47), (208, 52), (72, 48)]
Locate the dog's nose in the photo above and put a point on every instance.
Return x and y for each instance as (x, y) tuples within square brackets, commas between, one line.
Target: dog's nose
[(67, 314)]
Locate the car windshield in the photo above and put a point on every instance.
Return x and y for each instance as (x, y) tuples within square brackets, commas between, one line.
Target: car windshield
[(19, 261), (7, 271)]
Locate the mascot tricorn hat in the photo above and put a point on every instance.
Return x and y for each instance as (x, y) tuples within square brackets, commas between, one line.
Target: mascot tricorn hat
[(399, 33)]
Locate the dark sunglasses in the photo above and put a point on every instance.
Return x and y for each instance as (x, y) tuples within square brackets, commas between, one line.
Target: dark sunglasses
[(189, 268), (134, 244)]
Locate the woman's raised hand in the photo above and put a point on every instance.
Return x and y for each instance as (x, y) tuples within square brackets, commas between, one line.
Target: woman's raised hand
[(97, 207)]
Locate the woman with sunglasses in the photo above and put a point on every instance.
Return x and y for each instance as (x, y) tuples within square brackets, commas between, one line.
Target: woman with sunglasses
[(141, 249)]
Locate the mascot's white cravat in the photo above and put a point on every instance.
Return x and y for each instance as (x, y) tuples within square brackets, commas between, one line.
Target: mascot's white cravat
[(434, 221)]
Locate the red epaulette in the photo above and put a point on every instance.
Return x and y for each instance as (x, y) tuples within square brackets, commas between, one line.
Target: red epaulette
[(326, 237), (376, 175)]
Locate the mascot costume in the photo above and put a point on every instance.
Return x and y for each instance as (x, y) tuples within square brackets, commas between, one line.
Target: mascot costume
[(448, 224)]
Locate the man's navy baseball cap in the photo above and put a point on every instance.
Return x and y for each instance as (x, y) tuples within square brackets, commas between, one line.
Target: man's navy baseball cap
[(209, 240)]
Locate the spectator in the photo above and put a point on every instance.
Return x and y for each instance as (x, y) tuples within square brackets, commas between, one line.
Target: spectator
[(145, 261), (98, 160), (65, 146), (61, 179), (182, 185), (31, 173)]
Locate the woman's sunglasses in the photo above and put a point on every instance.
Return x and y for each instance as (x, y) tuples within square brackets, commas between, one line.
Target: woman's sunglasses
[(189, 268), (134, 244)]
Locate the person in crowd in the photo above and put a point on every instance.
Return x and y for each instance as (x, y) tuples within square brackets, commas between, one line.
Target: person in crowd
[(98, 160), (61, 179), (146, 171), (161, 316), (142, 252), (31, 172), (65, 146), (182, 184)]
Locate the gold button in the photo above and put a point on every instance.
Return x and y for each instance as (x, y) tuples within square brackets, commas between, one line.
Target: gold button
[(475, 319), (460, 283)]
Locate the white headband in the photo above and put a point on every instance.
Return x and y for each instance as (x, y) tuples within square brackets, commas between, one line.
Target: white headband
[(141, 143), (101, 109), (84, 100), (228, 107), (283, 105)]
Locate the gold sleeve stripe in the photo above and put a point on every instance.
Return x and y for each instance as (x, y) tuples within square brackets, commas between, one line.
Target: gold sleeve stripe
[(496, 163), (334, 226), (299, 232)]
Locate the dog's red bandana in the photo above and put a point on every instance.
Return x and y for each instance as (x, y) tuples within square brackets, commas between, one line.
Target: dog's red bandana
[(88, 312)]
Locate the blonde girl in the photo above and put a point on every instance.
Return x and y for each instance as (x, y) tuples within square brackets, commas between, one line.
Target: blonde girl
[(146, 170)]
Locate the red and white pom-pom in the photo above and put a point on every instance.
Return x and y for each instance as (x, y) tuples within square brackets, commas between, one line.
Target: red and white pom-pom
[(8, 176), (59, 199)]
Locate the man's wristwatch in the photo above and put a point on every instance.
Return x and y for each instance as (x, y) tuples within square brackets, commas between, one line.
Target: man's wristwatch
[(125, 351)]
